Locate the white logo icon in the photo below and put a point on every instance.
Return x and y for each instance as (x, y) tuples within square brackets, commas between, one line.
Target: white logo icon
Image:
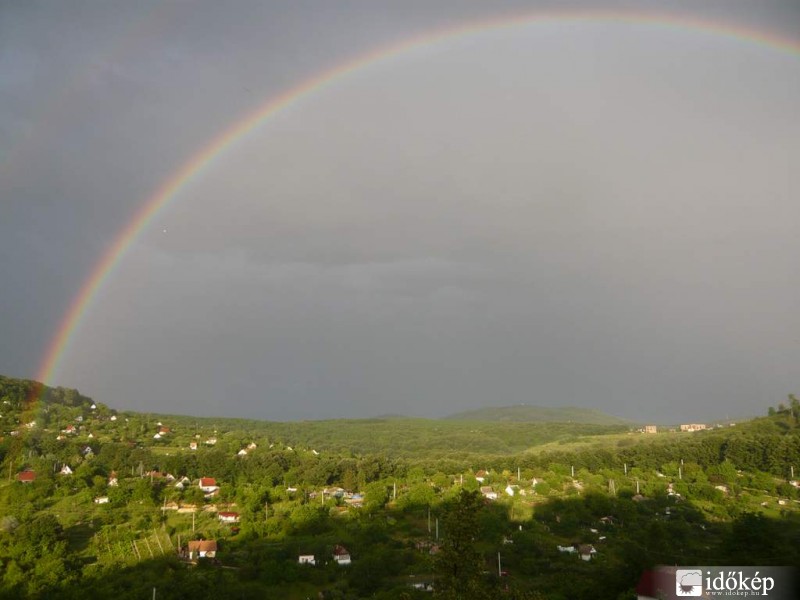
[(688, 582)]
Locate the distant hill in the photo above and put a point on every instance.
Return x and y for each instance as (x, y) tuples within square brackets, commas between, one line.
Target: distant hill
[(16, 393), (525, 413)]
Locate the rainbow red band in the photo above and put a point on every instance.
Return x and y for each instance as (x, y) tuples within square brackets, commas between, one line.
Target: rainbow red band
[(170, 189)]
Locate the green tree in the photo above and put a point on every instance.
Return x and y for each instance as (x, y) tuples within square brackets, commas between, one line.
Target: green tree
[(459, 564)]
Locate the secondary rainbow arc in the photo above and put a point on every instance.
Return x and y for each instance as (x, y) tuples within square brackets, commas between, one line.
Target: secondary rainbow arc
[(192, 168)]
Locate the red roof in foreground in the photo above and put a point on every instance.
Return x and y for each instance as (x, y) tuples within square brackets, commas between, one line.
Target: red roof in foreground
[(228, 514), (26, 476), (206, 481), (203, 545)]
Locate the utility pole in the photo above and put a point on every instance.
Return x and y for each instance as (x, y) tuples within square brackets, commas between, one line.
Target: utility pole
[(518, 474), (626, 468), (499, 566), (429, 519), (680, 472), (572, 468), (193, 521), (437, 529)]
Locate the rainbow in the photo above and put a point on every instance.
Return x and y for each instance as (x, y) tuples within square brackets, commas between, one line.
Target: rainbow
[(170, 189)]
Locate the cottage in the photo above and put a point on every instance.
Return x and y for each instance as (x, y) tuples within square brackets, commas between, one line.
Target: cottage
[(341, 555), (101, 500), (306, 559), (112, 479), (208, 485), (192, 445), (242, 452), (252, 446), (228, 517), (586, 551), (488, 492), (202, 549), (182, 482), (511, 490), (481, 476), (693, 427), (26, 477), (65, 470)]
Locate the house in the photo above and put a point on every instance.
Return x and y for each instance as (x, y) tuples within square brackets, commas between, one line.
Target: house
[(481, 476), (65, 470), (93, 406), (693, 427), (182, 482), (242, 452), (511, 490), (164, 430), (170, 506), (87, 451), (192, 445), (70, 429), (586, 551), (202, 549), (101, 500), (650, 429), (306, 559), (211, 441), (567, 549), (26, 477), (113, 417), (112, 479), (341, 555), (488, 492), (252, 446), (356, 501), (157, 436), (228, 517), (187, 508), (208, 485)]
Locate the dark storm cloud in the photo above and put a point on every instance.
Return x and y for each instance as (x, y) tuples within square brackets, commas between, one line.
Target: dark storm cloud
[(573, 213)]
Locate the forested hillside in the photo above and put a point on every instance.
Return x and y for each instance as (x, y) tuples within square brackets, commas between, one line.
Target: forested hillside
[(117, 503)]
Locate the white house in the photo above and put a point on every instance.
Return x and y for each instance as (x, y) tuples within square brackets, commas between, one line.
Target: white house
[(488, 492), (101, 500), (65, 470), (208, 485), (202, 549), (228, 517), (306, 559), (341, 555)]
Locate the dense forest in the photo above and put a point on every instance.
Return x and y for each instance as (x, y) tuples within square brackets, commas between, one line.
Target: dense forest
[(105, 503)]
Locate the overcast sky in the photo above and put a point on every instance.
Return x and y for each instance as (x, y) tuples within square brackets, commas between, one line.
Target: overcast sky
[(597, 214)]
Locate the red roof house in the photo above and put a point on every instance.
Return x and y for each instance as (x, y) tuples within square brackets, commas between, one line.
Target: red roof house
[(26, 477)]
